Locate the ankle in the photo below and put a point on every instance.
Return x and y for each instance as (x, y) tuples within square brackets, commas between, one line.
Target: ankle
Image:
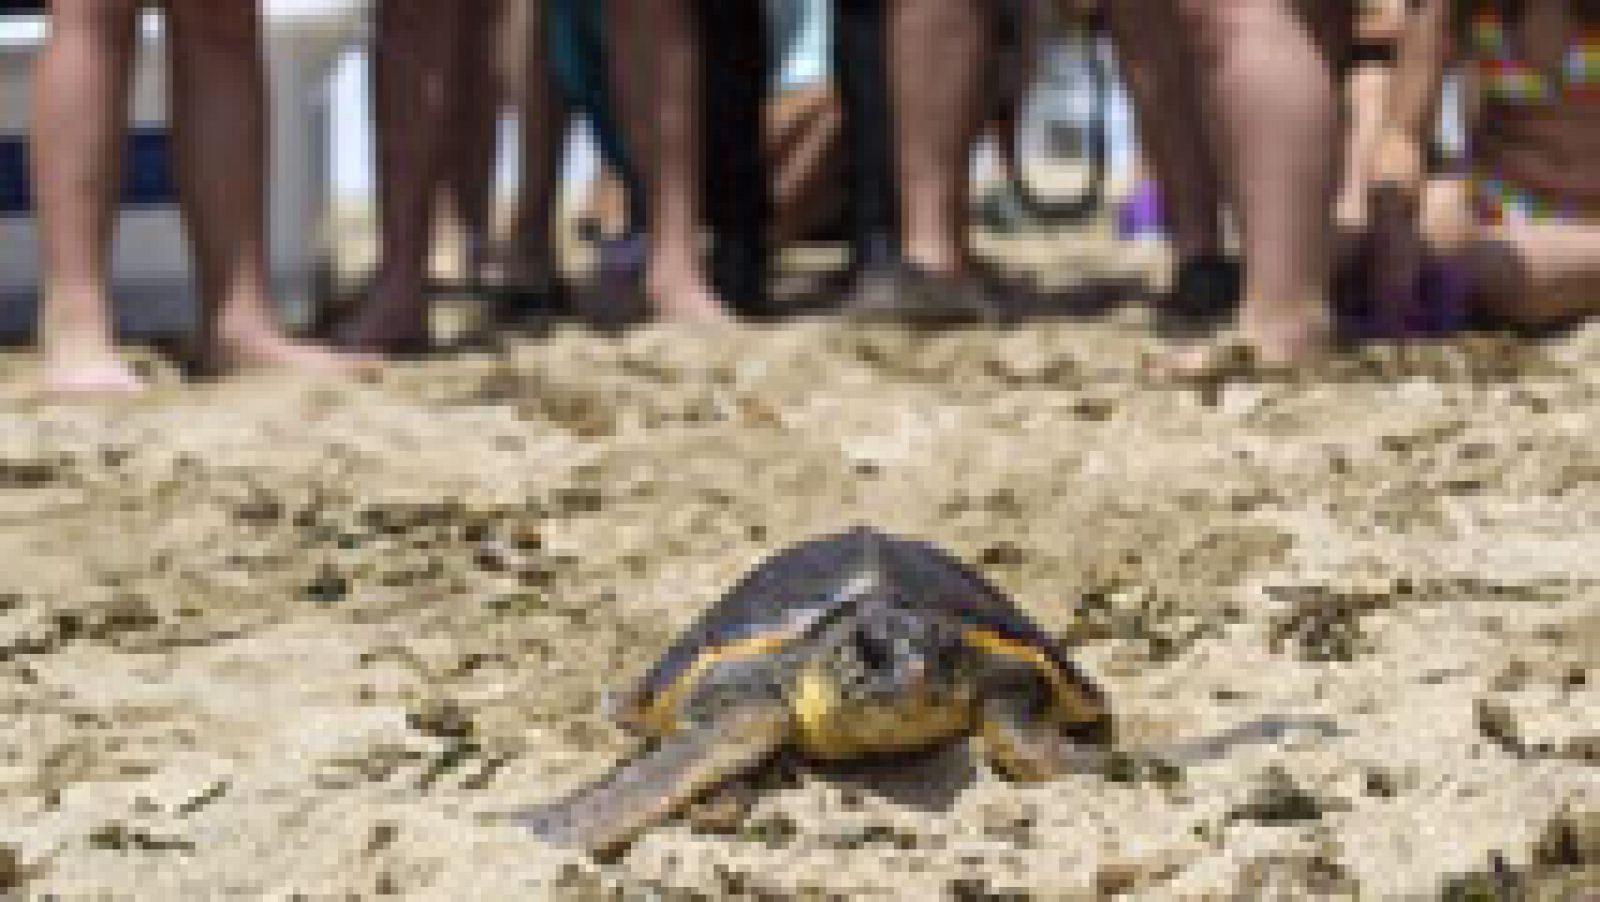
[(246, 326), (1308, 321), (939, 259)]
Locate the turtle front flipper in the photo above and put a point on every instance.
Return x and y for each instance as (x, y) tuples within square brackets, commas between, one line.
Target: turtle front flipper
[(1023, 742), (1039, 718), (608, 814)]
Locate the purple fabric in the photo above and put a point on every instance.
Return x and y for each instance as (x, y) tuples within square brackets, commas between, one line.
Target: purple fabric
[(1142, 214), (1436, 307)]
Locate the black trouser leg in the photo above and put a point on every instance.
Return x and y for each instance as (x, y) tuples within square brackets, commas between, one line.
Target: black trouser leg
[(861, 61), (738, 193)]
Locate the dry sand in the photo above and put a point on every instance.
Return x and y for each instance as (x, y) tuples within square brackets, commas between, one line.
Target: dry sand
[(264, 639)]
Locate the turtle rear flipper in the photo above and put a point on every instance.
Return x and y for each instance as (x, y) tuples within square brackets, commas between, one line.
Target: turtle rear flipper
[(608, 814)]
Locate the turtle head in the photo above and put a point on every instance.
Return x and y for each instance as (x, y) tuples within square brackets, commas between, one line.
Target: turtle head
[(881, 678), (878, 649), (895, 652)]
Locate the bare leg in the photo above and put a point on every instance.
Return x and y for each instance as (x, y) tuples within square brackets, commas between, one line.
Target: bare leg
[(1553, 279), (633, 68), (675, 276), (937, 58), (414, 63), (1367, 89), (1530, 274), (219, 99), (476, 111), (1171, 116), (1268, 67), (80, 109)]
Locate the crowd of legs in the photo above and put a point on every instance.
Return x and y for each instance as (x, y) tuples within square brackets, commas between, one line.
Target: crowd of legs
[(1263, 121)]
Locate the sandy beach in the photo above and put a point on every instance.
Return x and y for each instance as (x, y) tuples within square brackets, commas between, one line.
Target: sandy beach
[(275, 640)]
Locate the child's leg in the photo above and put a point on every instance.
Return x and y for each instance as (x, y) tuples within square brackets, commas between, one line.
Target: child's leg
[(80, 111), (476, 108), (219, 99), (1376, 31), (1172, 122), (665, 89), (1270, 68), (937, 54), (1530, 274), (1536, 274), (415, 73), (1366, 91)]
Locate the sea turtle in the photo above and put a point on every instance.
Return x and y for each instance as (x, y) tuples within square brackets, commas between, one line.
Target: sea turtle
[(856, 645), (845, 647)]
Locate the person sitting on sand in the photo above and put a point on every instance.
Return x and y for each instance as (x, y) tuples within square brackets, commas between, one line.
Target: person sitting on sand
[(1520, 235), (1237, 102), (219, 129)]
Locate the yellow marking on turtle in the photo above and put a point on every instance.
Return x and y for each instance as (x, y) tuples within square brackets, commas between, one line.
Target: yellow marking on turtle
[(660, 715), (832, 729), (903, 725), (1072, 704)]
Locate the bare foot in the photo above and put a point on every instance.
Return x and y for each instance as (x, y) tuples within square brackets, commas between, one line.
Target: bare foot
[(77, 347), (389, 322), (686, 301), (255, 348), (1253, 350), (85, 377)]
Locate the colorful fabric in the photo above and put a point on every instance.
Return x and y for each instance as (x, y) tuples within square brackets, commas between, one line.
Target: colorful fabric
[(1497, 201), (1507, 79)]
